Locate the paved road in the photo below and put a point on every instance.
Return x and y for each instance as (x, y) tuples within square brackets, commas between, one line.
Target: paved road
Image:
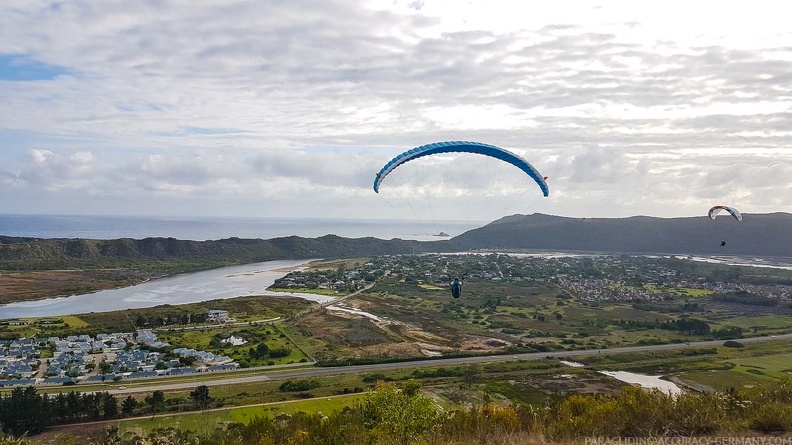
[(360, 369)]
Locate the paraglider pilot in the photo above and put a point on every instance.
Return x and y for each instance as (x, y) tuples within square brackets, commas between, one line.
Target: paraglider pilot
[(723, 243), (456, 288)]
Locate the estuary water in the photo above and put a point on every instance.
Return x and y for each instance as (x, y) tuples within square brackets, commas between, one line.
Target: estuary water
[(221, 283), (645, 381)]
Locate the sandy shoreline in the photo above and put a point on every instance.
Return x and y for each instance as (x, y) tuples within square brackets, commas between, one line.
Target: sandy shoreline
[(290, 269)]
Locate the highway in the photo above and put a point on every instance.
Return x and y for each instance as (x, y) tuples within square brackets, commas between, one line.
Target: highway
[(365, 369)]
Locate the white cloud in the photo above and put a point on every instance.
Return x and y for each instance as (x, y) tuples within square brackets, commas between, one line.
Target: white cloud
[(629, 107)]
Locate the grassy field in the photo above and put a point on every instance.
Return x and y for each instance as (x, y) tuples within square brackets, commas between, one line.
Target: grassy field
[(74, 322), (431, 287), (208, 340), (776, 365), (346, 263), (763, 321), (330, 292), (720, 380), (208, 421)]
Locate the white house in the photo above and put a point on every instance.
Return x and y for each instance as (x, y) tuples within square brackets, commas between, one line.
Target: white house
[(218, 315)]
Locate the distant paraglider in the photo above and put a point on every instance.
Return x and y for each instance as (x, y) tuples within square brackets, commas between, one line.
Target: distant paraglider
[(713, 212)]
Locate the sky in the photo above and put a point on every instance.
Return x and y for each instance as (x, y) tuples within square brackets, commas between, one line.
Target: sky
[(288, 108)]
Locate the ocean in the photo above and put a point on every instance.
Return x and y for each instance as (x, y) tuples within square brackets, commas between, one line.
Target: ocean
[(213, 228)]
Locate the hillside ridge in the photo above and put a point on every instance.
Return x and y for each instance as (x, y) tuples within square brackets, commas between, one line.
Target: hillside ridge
[(758, 234)]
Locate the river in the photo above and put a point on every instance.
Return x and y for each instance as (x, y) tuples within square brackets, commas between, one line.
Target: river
[(221, 283)]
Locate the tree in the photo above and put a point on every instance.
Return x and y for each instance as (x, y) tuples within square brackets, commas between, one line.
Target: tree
[(24, 412), (471, 374), (105, 368), (59, 408), (200, 396), (156, 401), (128, 405), (92, 405), (73, 404), (109, 405), (402, 414)]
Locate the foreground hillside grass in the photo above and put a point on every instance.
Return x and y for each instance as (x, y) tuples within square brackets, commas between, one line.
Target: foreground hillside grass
[(392, 414)]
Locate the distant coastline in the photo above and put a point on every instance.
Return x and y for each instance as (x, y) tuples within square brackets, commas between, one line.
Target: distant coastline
[(214, 228)]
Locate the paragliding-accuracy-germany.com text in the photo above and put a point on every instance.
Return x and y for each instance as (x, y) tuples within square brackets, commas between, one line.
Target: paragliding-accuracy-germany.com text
[(744, 440)]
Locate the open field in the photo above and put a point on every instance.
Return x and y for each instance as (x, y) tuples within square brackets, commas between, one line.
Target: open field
[(208, 421), (718, 368), (762, 322), (346, 263), (210, 340), (720, 380), (305, 290), (776, 365), (242, 309)]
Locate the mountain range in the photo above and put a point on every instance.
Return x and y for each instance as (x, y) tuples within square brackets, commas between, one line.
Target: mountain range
[(757, 235)]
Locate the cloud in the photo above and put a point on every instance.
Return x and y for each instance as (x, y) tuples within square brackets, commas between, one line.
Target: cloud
[(305, 100)]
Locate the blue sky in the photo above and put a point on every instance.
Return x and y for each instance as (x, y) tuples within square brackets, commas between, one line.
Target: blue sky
[(21, 68), (287, 109)]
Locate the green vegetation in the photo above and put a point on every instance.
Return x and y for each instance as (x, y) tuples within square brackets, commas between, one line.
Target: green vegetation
[(406, 414), (170, 319), (719, 380), (305, 290), (762, 322), (207, 422), (299, 385), (508, 306)]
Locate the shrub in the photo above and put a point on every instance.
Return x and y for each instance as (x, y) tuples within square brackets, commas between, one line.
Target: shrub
[(299, 385)]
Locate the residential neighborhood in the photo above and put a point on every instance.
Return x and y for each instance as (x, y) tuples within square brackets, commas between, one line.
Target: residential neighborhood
[(105, 357)]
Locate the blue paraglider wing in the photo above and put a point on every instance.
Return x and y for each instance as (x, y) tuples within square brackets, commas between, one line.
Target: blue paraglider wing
[(462, 147)]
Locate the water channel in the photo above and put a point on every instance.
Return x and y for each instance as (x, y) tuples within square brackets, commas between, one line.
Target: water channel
[(645, 381), (221, 283)]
